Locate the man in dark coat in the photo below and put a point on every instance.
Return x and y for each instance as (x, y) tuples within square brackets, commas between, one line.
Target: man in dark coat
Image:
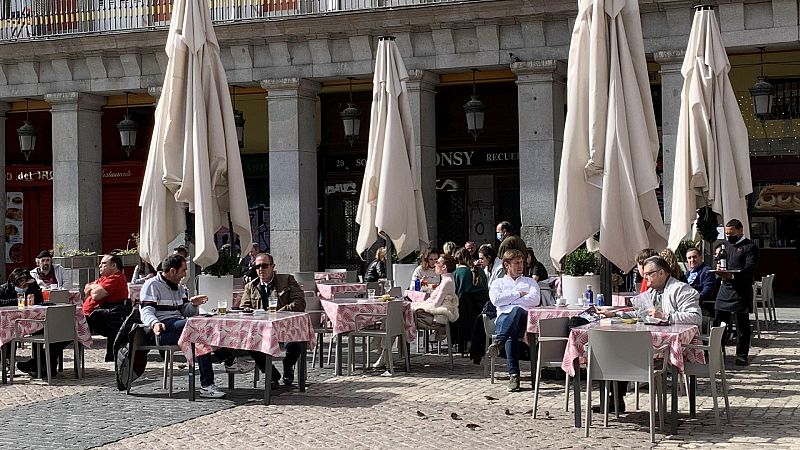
[(700, 277), (735, 296)]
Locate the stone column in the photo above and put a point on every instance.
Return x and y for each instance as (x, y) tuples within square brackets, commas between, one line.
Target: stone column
[(77, 173), (293, 235), (422, 99), (541, 99), (4, 108), (671, 87)]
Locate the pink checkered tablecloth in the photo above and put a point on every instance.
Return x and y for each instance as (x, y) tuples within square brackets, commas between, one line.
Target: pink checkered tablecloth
[(8, 314), (338, 276), (416, 296), (673, 335), (75, 297), (259, 332), (328, 290), (134, 290), (342, 315), (550, 312)]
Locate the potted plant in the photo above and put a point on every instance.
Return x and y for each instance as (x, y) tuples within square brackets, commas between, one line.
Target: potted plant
[(75, 258), (579, 271), (216, 280), (129, 257)]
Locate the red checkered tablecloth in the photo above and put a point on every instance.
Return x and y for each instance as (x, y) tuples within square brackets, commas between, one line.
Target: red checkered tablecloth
[(8, 314), (549, 312), (674, 336), (328, 290), (259, 332), (338, 276), (416, 296), (342, 315)]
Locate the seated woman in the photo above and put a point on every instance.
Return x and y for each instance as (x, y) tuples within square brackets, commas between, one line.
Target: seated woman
[(377, 268), (142, 272), (473, 292), (426, 270), (442, 305), (675, 269), (533, 268)]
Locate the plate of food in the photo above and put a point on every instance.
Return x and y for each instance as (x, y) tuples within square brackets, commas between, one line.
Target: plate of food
[(15, 253), (11, 231), (14, 214)]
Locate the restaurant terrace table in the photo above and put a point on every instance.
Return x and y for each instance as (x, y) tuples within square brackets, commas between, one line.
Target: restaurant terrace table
[(550, 312), (329, 290), (134, 290), (342, 314), (8, 330), (259, 332), (325, 276), (673, 335)]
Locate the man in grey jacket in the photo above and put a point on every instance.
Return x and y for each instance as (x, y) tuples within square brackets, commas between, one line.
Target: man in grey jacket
[(672, 299), (46, 273)]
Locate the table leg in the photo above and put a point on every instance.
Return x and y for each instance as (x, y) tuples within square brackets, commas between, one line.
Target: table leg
[(267, 378), (692, 396), (191, 375), (576, 392), (230, 381), (3, 359), (338, 359), (532, 343), (603, 396), (674, 394), (303, 367)]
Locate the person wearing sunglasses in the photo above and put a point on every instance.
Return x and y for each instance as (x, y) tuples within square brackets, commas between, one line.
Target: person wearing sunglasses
[(290, 298)]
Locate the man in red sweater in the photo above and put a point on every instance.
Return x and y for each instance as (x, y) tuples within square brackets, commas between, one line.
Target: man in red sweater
[(106, 303)]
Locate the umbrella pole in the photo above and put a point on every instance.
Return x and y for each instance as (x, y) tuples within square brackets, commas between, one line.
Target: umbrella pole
[(606, 270), (389, 271)]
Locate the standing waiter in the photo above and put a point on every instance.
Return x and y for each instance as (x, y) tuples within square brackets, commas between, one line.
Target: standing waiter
[(735, 296)]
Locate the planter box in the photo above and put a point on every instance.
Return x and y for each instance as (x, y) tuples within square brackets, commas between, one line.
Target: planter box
[(77, 262), (129, 260), (572, 288)]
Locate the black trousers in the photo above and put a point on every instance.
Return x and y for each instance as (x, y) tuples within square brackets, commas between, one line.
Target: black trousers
[(292, 354), (106, 321), (743, 331)]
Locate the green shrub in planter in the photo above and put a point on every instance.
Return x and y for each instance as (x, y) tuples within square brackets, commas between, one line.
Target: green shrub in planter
[(683, 247), (580, 262), (227, 264)]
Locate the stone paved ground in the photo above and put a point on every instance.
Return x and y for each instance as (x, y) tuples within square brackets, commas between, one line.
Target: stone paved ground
[(371, 411)]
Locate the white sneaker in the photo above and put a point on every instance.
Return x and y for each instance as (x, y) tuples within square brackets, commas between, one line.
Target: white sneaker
[(240, 366), (211, 391), (381, 362)]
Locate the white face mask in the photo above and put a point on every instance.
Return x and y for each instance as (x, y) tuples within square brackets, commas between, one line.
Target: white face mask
[(499, 236), (19, 290)]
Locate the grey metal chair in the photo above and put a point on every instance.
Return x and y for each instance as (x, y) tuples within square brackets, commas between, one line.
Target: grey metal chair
[(445, 327), (301, 277), (139, 344), (59, 297), (59, 326), (625, 356), (317, 316), (393, 326), (553, 336), (715, 365), (489, 330)]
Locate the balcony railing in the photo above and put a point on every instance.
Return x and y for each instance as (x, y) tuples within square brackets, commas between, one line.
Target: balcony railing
[(36, 19)]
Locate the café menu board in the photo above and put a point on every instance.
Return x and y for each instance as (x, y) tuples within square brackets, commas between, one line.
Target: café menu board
[(14, 227)]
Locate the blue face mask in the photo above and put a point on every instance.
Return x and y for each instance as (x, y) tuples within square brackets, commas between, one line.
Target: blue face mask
[(19, 290), (499, 236)]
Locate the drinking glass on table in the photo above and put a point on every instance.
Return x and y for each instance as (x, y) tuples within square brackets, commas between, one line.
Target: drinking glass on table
[(21, 301), (222, 307), (371, 294), (273, 302)]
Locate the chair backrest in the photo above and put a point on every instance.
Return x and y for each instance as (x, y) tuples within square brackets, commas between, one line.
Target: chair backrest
[(59, 296), (705, 325), (488, 325), (394, 318), (353, 295), (313, 304), (60, 323), (375, 285), (553, 351), (715, 356), (302, 277), (308, 286), (766, 286), (336, 270), (396, 291), (546, 294), (402, 274), (352, 276), (620, 355)]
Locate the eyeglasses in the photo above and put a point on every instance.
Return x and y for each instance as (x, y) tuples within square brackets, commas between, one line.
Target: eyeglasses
[(648, 274), (263, 266)]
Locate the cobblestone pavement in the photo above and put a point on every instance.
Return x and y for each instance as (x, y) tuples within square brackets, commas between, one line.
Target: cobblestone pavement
[(372, 411)]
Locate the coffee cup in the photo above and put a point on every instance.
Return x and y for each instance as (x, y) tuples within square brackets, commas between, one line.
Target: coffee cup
[(561, 301)]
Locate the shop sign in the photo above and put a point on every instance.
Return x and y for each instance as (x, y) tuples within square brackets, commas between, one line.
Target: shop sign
[(463, 159), (47, 175), (340, 188), (345, 163)]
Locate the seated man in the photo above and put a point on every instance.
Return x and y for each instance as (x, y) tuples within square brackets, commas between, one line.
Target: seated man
[(20, 282), (290, 298), (107, 305), (513, 295), (165, 306), (700, 277), (672, 300), (47, 274)]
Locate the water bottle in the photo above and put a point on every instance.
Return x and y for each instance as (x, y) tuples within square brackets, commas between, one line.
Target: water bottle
[(417, 285), (589, 294), (601, 300)]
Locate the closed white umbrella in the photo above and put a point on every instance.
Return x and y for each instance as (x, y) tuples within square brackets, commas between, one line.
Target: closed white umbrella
[(607, 179), (390, 202), (712, 155), (194, 158)]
